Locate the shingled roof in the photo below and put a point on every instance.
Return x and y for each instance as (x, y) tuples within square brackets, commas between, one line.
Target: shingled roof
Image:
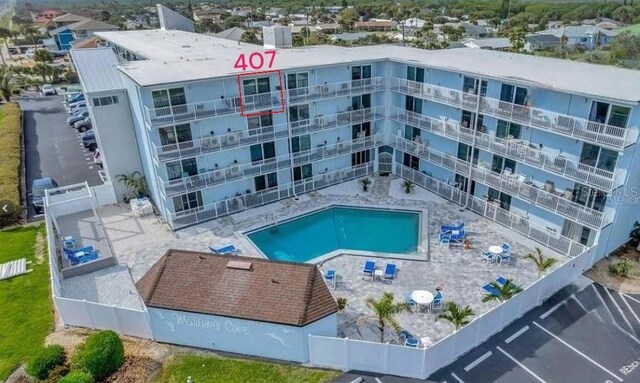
[(268, 291)]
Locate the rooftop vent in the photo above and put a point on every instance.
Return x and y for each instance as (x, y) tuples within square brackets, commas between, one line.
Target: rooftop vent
[(186, 46), (239, 265)]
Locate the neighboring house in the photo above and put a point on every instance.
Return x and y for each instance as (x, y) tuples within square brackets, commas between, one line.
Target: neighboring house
[(583, 36), (412, 23), (328, 28), (257, 25), (44, 17), (66, 19), (234, 34), (535, 42), (65, 35), (350, 37), (602, 20), (374, 26), (471, 31), (87, 42), (554, 24), (496, 43), (250, 306)]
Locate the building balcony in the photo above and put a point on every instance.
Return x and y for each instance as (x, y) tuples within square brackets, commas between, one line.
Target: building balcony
[(347, 118), (492, 211), (250, 200), (324, 151), (609, 136), (518, 150), (338, 89), (516, 185)]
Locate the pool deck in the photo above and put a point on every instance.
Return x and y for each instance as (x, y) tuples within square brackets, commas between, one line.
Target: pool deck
[(141, 241)]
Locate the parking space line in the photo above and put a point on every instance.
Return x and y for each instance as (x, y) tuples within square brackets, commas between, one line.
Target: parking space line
[(629, 307), (613, 319), (478, 361), (619, 309), (457, 378), (551, 310), (517, 334), (514, 360), (578, 351), (630, 297)]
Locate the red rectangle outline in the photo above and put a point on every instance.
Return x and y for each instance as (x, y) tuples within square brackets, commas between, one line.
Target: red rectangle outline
[(264, 112)]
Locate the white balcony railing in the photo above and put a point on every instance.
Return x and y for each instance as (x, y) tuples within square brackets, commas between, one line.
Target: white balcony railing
[(211, 144), (515, 149), (606, 135), (217, 176), (336, 89), (514, 185), (522, 225), (245, 201)]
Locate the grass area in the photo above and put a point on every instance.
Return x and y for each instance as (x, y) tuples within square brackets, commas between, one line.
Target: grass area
[(633, 29), (10, 157), (218, 370), (26, 315)]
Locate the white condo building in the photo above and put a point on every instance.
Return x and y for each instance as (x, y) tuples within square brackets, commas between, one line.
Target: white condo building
[(550, 143)]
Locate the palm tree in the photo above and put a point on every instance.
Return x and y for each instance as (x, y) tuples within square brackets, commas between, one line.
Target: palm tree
[(7, 82), (504, 292), (456, 315), (5, 34), (408, 186), (134, 182), (542, 263), (31, 32), (384, 309)]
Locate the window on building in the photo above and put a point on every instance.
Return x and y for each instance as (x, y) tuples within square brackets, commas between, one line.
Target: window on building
[(513, 94), (182, 169), (411, 161), (360, 130), (359, 72), (256, 85), (594, 155), (187, 201), (258, 123), (471, 85), (300, 143), (297, 80), (299, 113), (104, 101), (505, 199), (360, 102), (610, 114), (302, 172), (266, 181), (264, 151), (415, 74), (168, 97), (410, 132), (175, 134), (508, 130), (464, 153), (413, 104)]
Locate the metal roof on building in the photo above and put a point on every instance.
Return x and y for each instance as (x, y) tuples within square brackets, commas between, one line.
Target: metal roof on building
[(97, 68)]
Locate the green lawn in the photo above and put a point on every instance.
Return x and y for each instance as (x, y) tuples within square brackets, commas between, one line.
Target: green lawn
[(25, 301), (218, 370), (633, 29)]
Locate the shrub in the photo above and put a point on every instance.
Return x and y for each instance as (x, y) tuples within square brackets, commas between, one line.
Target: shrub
[(77, 377), (10, 157), (45, 360), (621, 269), (342, 303), (57, 373), (101, 354)]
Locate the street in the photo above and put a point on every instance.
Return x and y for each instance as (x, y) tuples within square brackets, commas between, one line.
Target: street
[(52, 148)]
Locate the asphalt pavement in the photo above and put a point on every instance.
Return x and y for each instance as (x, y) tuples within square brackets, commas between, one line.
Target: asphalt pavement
[(52, 148), (585, 333)]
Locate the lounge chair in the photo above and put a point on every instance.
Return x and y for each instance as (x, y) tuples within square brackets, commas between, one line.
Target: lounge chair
[(444, 229), (330, 278), (68, 242), (412, 304), (501, 281), (453, 237), (224, 250), (369, 269), (505, 257), (407, 339), (81, 255), (487, 256), (488, 289), (437, 302), (390, 272)]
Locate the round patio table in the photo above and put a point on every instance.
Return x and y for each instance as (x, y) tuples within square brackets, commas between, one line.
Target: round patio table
[(496, 250), (422, 297)]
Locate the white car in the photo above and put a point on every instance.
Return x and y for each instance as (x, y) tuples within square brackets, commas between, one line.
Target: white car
[(48, 90)]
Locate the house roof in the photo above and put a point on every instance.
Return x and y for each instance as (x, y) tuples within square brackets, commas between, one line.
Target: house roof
[(492, 43), (234, 34), (92, 25), (97, 69), (87, 42), (253, 289), (56, 31), (540, 38), (373, 24), (577, 31), (68, 18)]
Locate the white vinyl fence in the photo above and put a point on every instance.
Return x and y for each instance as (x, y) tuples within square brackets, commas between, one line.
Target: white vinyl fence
[(348, 354)]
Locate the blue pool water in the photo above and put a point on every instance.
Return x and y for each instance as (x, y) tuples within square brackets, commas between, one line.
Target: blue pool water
[(310, 236)]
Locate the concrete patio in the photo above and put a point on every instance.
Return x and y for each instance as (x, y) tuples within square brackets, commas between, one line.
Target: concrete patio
[(140, 241)]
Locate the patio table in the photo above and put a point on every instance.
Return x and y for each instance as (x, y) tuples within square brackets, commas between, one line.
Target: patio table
[(495, 250), (422, 297)]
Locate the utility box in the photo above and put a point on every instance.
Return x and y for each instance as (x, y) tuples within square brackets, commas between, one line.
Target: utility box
[(276, 37)]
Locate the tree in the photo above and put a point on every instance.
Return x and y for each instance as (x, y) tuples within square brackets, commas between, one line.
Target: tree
[(249, 36), (347, 17), (6, 35), (232, 21), (516, 38), (7, 82), (624, 14), (42, 56), (31, 32), (134, 181), (458, 316), (105, 16), (542, 263), (345, 4), (504, 292), (384, 310)]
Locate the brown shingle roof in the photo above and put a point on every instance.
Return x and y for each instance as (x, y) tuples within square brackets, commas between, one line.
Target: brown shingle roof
[(271, 291)]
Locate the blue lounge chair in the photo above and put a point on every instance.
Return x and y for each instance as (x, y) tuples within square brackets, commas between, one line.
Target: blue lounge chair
[(224, 250), (390, 272), (68, 242), (368, 270), (501, 281), (487, 256), (408, 339), (437, 302), (506, 248), (412, 304), (330, 278), (455, 237), (488, 289), (81, 255), (444, 229), (504, 258)]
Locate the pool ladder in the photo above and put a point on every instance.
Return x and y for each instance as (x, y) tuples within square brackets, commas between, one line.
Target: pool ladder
[(273, 226)]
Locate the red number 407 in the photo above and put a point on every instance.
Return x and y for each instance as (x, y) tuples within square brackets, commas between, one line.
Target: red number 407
[(256, 60)]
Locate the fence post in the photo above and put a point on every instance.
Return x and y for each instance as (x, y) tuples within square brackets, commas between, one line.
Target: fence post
[(346, 354), (386, 358)]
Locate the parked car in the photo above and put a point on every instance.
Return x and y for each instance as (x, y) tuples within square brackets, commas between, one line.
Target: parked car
[(83, 125), (48, 90), (37, 192), (96, 158), (71, 95), (89, 140), (72, 119), (77, 97), (30, 53), (77, 105)]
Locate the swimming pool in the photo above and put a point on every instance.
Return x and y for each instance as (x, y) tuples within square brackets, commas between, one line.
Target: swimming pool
[(338, 227)]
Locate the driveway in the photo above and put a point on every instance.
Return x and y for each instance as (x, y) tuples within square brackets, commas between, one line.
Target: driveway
[(585, 333), (52, 148)]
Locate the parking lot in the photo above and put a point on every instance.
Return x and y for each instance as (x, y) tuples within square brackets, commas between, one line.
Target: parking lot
[(585, 333), (52, 148)]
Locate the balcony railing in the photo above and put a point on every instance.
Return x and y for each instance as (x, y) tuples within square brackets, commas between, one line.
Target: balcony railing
[(513, 185), (246, 201), (338, 89), (337, 149), (606, 135), (513, 221), (347, 118), (515, 149)]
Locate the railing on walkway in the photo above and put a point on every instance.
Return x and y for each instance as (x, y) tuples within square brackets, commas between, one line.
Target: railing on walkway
[(514, 149), (246, 201), (337, 89), (511, 184), (607, 135)]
